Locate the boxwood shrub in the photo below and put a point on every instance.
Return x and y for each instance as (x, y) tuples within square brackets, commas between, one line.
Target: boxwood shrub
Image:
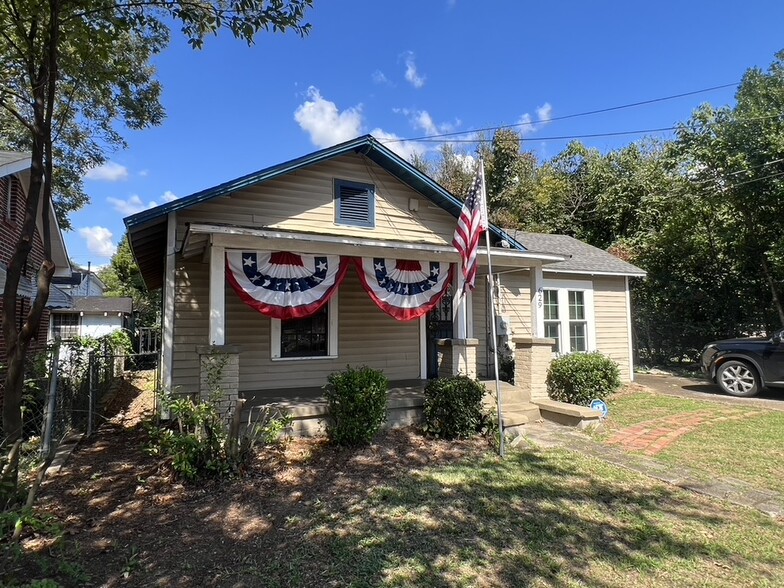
[(579, 378), (453, 407), (357, 405)]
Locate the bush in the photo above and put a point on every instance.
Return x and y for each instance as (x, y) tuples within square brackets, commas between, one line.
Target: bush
[(579, 378), (453, 407), (357, 401)]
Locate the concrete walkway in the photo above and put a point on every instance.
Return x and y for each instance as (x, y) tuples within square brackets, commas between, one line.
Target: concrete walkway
[(545, 434)]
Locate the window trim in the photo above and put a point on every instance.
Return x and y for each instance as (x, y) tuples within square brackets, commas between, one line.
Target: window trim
[(59, 317), (332, 336), (371, 190), (563, 287)]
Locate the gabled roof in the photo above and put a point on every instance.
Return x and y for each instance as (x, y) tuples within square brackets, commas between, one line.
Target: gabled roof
[(13, 162), (582, 258), (146, 229)]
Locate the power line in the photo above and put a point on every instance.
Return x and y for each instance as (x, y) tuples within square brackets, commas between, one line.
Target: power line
[(558, 138), (566, 116)]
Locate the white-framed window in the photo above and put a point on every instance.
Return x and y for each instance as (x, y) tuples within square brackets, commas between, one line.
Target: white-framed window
[(9, 198), (65, 325), (314, 337), (569, 315)]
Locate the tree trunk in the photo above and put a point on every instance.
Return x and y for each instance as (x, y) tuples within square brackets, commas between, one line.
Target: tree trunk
[(773, 290)]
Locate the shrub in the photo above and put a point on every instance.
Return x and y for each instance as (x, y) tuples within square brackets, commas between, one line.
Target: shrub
[(579, 378), (357, 401), (453, 407)]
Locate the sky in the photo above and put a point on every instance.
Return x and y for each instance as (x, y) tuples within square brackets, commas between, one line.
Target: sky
[(406, 69)]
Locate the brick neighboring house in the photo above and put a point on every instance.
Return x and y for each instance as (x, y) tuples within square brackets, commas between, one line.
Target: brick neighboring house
[(14, 182)]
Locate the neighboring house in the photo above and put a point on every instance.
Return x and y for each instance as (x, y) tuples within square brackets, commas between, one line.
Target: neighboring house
[(341, 257), (14, 182), (81, 283), (91, 316)]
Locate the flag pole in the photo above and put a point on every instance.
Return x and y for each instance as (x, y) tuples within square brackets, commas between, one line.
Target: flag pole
[(491, 286)]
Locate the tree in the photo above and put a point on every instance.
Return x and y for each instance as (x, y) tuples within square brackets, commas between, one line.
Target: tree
[(71, 72), (123, 278)]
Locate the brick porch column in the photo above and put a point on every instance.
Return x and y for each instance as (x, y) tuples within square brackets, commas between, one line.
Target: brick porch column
[(457, 356), (219, 374), (532, 359)]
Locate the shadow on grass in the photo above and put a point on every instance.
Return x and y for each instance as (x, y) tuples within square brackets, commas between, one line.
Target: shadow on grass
[(392, 514)]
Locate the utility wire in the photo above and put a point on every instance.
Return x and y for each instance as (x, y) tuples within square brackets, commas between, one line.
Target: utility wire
[(742, 171), (558, 138), (567, 116)]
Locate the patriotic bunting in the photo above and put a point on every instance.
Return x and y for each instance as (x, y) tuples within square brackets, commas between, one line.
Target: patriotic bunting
[(404, 289), (284, 285)]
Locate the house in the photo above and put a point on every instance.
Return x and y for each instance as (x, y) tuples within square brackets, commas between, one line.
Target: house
[(344, 256), (14, 182), (81, 283), (91, 316)]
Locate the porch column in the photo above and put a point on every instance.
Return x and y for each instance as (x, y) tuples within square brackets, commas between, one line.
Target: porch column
[(532, 360), (537, 300), (217, 335), (459, 314), (457, 357)]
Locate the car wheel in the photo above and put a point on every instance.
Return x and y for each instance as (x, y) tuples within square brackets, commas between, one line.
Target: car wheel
[(738, 378)]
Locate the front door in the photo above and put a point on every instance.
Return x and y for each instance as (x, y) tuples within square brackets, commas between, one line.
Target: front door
[(439, 326)]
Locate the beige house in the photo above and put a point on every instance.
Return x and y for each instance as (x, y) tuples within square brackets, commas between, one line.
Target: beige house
[(221, 257)]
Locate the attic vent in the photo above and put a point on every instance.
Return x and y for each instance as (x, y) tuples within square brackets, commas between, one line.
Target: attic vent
[(354, 203)]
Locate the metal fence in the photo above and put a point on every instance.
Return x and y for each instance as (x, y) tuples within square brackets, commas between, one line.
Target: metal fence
[(65, 392)]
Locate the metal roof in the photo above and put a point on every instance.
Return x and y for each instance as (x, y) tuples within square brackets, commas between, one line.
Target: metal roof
[(147, 229), (583, 258)]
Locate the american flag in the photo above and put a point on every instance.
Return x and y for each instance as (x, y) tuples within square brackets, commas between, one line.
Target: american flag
[(470, 226)]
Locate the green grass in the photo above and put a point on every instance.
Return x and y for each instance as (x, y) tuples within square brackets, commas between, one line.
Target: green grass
[(540, 518), (749, 449)]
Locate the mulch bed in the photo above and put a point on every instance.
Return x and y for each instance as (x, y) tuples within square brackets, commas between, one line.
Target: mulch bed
[(127, 522)]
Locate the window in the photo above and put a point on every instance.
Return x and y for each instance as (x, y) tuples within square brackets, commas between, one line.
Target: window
[(567, 309), (9, 198), (314, 337), (552, 325), (355, 204), (305, 337), (65, 325)]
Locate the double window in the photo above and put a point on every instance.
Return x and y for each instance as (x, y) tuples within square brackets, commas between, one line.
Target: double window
[(567, 310), (65, 325), (307, 338)]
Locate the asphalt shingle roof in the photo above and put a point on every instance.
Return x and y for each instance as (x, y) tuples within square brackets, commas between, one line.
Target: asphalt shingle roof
[(582, 257), (93, 304)]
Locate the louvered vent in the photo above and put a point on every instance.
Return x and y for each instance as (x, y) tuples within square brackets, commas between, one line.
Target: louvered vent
[(354, 203)]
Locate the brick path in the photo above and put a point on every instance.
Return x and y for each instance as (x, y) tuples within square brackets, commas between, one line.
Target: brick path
[(654, 436)]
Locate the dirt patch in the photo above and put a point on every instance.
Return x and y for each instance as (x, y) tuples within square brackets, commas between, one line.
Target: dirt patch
[(126, 522)]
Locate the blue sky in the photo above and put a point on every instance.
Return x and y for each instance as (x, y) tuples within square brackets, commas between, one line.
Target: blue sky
[(417, 67)]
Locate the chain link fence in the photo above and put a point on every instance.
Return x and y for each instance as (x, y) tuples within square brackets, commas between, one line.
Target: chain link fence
[(65, 392)]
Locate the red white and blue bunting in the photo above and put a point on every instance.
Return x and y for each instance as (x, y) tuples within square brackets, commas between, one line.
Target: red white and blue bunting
[(284, 285), (404, 289)]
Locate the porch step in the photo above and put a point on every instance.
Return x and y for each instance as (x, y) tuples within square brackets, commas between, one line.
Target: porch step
[(519, 413)]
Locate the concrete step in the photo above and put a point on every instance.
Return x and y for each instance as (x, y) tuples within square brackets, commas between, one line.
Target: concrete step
[(509, 392), (519, 413)]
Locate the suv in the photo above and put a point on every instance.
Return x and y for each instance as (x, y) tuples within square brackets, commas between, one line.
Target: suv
[(742, 367)]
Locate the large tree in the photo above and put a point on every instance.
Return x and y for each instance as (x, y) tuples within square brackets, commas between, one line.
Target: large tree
[(71, 73)]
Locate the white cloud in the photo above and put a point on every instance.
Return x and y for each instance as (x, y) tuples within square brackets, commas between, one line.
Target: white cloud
[(379, 77), (544, 115), (108, 172), (169, 196), (325, 123), (99, 240), (144, 173), (412, 75), (404, 149), (130, 205)]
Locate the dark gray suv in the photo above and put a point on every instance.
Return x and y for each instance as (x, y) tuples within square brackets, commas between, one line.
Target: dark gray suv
[(742, 367)]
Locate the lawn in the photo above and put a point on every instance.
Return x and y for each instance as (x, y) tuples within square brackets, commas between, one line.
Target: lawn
[(740, 442), (405, 511)]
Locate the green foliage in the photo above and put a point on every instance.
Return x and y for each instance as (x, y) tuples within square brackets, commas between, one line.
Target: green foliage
[(579, 378), (123, 278), (453, 407), (200, 444), (357, 404)]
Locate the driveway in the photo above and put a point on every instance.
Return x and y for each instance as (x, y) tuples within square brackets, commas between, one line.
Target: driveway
[(702, 389)]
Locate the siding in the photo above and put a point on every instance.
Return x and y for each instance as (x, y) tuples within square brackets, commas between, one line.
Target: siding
[(612, 332), (366, 335), (303, 201)]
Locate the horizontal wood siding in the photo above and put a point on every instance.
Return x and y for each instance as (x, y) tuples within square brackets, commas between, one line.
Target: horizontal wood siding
[(303, 201), (612, 332), (191, 322)]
